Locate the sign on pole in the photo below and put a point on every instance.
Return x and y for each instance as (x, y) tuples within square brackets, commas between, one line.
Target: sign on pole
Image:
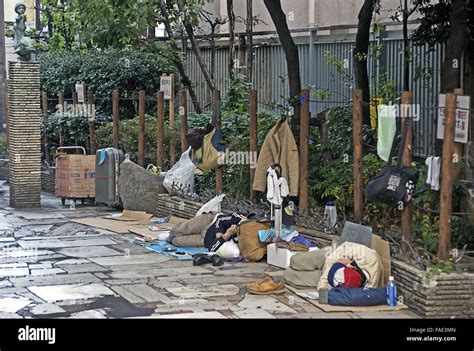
[(80, 92), (462, 118), (166, 86)]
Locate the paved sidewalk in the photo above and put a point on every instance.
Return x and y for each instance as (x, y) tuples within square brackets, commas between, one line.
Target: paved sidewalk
[(53, 268)]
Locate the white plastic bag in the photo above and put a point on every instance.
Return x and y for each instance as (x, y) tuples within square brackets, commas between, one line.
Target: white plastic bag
[(213, 205), (229, 249), (181, 175)]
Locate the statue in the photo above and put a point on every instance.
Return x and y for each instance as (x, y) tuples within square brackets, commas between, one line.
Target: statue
[(23, 45)]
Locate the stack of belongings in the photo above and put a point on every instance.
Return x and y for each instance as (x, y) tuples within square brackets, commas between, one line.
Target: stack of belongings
[(350, 275)]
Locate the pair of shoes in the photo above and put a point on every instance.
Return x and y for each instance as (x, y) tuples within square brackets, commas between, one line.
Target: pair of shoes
[(266, 287), (292, 246), (200, 259)]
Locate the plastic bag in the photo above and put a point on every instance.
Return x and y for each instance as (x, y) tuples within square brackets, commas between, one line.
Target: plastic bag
[(181, 175), (229, 250), (213, 205)]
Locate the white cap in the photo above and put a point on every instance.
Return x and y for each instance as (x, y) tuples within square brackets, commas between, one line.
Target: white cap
[(390, 279)]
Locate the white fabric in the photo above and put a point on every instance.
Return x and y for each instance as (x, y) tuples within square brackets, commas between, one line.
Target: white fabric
[(229, 250), (277, 188), (213, 205), (434, 168)]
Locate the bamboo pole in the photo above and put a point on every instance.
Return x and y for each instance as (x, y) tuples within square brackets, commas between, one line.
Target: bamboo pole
[(406, 161), (357, 154), (90, 101), (447, 178), (160, 128), (141, 128), (44, 103), (253, 138), (116, 118), (61, 109), (304, 151), (458, 149), (172, 124)]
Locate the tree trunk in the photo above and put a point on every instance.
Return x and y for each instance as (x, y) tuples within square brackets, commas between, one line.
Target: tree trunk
[(458, 34), (361, 51), (406, 48), (177, 61), (249, 32), (231, 15), (291, 54)]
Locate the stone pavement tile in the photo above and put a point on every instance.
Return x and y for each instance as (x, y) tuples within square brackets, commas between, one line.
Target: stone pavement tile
[(163, 284), (7, 239), (324, 315), (183, 273), (101, 275), (57, 243), (199, 315), (265, 302), (5, 283), (61, 279), (212, 280), (12, 304), (112, 282), (254, 313), (38, 229), (386, 314), (131, 249), (23, 253), (38, 214), (204, 291), (6, 315), (90, 314), (83, 268), (89, 251), (139, 293), (46, 308), (40, 265), (14, 272), (249, 269), (14, 265), (70, 229), (142, 260), (47, 271), (30, 259), (71, 261), (70, 292)]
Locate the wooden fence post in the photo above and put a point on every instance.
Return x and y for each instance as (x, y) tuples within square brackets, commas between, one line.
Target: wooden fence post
[(141, 128), (304, 150), (44, 102), (61, 110), (172, 125), (447, 178), (217, 123), (406, 161), (91, 116), (357, 154), (183, 115), (253, 139), (458, 149), (116, 118), (160, 128), (75, 111)]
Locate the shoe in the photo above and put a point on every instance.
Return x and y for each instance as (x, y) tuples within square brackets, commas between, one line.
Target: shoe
[(200, 259), (266, 287), (260, 282), (217, 260)]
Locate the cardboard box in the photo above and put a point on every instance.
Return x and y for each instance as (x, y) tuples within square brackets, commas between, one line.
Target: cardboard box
[(75, 176), (281, 257)]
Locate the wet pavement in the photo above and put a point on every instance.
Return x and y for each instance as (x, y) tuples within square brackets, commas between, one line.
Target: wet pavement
[(53, 268)]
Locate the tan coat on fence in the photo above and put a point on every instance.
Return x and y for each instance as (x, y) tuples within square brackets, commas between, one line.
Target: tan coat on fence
[(279, 147)]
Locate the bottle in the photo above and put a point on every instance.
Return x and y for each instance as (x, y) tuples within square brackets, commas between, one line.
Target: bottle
[(330, 215), (391, 292)]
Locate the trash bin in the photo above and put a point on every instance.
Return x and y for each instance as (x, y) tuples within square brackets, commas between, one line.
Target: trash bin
[(107, 169)]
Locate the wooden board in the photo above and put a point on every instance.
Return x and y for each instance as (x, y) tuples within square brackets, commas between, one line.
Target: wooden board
[(120, 227), (129, 216)]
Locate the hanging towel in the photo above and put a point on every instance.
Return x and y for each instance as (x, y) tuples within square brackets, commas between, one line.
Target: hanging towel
[(387, 128), (434, 168), (277, 187)]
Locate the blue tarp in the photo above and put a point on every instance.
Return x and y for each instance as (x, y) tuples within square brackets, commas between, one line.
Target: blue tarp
[(161, 246)]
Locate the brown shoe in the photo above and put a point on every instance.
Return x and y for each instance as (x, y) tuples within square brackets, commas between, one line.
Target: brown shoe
[(266, 287), (260, 282)]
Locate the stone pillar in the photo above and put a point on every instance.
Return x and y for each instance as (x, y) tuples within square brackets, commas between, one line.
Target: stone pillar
[(25, 134)]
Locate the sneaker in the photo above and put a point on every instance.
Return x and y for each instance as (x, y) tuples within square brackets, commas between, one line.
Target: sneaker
[(217, 260), (266, 287), (200, 259)]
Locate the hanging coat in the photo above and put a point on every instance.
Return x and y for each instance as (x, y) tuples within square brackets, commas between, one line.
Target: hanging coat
[(279, 147)]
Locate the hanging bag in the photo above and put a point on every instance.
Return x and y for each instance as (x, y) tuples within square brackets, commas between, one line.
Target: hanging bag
[(395, 183)]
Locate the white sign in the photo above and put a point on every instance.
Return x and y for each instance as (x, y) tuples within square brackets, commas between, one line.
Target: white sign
[(80, 92), (166, 86), (463, 104)]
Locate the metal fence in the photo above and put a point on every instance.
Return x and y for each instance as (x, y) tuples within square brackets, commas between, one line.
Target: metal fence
[(270, 77)]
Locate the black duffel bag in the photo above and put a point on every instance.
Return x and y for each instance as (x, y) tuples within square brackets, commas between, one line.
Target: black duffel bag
[(395, 183)]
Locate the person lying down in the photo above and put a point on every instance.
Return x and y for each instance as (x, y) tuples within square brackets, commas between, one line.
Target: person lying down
[(210, 230)]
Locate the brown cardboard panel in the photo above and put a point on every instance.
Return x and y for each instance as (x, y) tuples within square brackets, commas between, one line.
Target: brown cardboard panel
[(383, 249), (120, 227), (128, 215), (143, 230)]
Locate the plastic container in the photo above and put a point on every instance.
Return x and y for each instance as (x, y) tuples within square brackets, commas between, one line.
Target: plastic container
[(330, 215), (391, 292)]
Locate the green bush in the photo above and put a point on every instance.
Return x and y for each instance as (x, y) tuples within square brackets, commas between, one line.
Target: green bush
[(126, 70)]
